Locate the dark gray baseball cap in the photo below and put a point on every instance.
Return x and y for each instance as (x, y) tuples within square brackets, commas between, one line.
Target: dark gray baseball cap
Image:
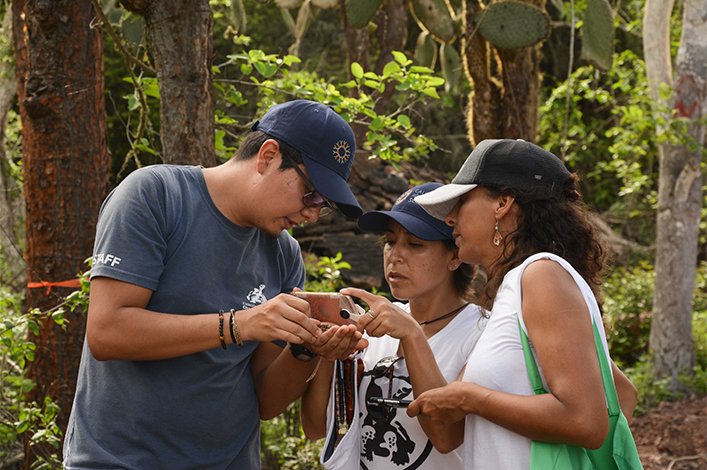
[(500, 163)]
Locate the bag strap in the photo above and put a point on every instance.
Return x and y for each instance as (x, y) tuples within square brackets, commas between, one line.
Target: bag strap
[(536, 382), (530, 365)]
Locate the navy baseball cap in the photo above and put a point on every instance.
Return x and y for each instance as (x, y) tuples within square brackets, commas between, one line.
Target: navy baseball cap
[(501, 163), (326, 143), (410, 215)]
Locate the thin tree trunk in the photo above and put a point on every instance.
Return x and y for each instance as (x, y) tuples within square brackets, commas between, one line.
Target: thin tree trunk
[(679, 188), (11, 208), (66, 168), (484, 108), (179, 42), (504, 106)]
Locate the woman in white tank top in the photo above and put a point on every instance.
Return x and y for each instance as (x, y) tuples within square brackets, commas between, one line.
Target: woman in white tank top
[(516, 212), (412, 347)]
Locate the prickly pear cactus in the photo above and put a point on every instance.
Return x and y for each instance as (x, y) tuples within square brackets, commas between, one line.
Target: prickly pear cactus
[(425, 50), (450, 63), (512, 24), (598, 34), (238, 16), (435, 16), (289, 4), (360, 12), (325, 4)]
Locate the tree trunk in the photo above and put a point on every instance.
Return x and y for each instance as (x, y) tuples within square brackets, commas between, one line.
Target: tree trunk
[(505, 83), (679, 188), (11, 208), (59, 61), (179, 42)]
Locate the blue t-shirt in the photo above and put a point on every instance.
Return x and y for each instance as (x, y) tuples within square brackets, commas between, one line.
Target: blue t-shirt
[(160, 229)]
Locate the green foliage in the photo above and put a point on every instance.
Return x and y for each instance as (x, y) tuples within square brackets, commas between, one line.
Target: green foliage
[(607, 135), (324, 273), (20, 419), (627, 311), (284, 445), (267, 79), (627, 315)]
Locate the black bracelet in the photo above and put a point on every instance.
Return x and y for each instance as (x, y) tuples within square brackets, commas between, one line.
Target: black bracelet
[(220, 330)]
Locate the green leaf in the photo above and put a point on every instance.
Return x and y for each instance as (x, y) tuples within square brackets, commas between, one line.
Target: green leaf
[(435, 81), (390, 69), (376, 124), (404, 120), (356, 70), (431, 92), (420, 69), (291, 59), (400, 58)]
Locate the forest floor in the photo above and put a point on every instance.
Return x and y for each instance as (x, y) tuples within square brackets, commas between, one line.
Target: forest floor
[(673, 436)]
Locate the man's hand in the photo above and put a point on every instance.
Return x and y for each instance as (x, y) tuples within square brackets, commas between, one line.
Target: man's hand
[(338, 342), (284, 317)]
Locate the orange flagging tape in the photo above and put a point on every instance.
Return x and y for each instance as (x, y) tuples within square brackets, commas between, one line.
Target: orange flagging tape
[(70, 283)]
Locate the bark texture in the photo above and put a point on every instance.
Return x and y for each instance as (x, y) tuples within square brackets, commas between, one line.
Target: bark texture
[(180, 45), (66, 167), (679, 187), (505, 83)]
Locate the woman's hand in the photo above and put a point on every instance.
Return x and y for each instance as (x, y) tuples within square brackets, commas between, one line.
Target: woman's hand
[(383, 317), (442, 405)]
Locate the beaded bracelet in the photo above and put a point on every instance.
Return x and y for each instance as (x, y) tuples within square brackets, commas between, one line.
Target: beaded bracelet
[(235, 332), (220, 330)]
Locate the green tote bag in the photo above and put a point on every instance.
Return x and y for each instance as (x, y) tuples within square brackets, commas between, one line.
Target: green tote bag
[(618, 452)]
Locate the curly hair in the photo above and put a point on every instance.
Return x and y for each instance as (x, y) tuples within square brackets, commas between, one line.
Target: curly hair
[(560, 226)]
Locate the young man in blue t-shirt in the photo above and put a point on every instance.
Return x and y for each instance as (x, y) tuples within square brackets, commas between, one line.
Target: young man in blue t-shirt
[(189, 283)]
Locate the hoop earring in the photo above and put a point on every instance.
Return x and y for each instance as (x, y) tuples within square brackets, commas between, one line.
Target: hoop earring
[(497, 238)]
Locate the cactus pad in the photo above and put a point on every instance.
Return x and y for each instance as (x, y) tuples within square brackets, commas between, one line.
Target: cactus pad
[(325, 4), (598, 34), (450, 63), (425, 50), (360, 12), (512, 24), (436, 17), (289, 4)]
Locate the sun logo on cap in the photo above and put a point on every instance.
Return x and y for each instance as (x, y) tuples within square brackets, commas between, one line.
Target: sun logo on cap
[(342, 151)]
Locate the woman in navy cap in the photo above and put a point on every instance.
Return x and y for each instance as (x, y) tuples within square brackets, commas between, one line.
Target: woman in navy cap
[(413, 346)]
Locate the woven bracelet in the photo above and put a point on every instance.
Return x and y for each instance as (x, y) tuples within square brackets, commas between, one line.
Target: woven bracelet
[(235, 332), (220, 330), (230, 327)]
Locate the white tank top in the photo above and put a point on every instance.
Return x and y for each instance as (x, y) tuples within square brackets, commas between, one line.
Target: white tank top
[(497, 363)]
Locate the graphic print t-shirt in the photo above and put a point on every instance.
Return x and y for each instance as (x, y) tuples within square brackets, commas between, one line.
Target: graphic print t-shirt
[(390, 439)]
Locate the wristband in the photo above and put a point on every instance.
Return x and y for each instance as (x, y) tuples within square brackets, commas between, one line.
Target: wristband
[(301, 353), (235, 332)]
